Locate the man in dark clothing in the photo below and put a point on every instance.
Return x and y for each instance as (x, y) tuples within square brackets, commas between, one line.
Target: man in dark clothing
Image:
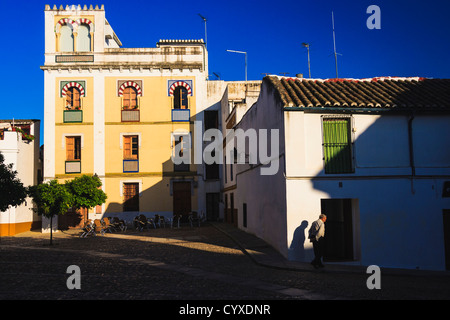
[(316, 236)]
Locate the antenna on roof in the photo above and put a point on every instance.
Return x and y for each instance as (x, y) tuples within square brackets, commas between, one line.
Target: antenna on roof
[(334, 43)]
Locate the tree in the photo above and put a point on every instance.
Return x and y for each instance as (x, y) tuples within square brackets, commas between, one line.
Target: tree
[(51, 199), (86, 192), (12, 191)]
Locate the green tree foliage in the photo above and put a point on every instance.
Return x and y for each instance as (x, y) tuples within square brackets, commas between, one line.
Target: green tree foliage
[(86, 191), (12, 191), (51, 199)]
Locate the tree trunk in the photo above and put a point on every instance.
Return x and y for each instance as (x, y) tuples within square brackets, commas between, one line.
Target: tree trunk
[(51, 230)]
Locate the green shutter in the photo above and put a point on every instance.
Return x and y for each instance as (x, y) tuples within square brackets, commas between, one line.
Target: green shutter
[(337, 145)]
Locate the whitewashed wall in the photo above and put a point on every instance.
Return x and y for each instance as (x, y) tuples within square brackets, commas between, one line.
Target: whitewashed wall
[(397, 217), (264, 195)]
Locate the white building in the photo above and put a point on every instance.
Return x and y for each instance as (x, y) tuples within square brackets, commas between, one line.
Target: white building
[(371, 154), (19, 144)]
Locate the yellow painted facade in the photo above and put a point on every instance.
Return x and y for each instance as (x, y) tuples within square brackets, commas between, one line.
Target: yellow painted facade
[(100, 125), (154, 129)]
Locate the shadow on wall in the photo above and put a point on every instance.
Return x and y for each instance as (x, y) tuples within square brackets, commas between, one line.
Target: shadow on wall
[(176, 192), (173, 192), (391, 175), (297, 249)]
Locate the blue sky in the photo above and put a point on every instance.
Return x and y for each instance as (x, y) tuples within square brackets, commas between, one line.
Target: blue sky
[(414, 39)]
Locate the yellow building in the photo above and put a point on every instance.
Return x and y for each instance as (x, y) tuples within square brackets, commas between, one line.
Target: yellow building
[(121, 113)]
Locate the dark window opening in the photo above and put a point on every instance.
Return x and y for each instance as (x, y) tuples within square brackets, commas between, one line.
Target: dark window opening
[(180, 95)]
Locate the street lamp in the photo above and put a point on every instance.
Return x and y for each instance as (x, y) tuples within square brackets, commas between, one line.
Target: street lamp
[(245, 60), (306, 45), (206, 35)]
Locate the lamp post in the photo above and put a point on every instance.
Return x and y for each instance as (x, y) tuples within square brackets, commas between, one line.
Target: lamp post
[(243, 52), (306, 45), (206, 35)]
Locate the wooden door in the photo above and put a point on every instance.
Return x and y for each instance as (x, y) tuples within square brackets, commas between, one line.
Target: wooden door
[(182, 198), (131, 197), (338, 242)]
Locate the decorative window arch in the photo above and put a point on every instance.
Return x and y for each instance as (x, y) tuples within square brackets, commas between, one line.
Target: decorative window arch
[(64, 30), (182, 83), (87, 22), (133, 84), (64, 21), (71, 84), (74, 35), (84, 35), (72, 92)]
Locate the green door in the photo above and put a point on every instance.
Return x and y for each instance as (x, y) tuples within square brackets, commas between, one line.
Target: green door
[(337, 145)]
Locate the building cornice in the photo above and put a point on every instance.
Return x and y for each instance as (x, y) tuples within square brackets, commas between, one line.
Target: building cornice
[(123, 67)]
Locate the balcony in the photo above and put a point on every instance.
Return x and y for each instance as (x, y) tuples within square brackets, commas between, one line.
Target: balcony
[(130, 116), (130, 166), (73, 166), (73, 116), (181, 115)]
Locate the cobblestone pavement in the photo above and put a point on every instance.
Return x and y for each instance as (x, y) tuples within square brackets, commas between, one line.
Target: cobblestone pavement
[(211, 262)]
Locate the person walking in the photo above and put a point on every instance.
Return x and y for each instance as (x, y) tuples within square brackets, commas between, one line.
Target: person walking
[(316, 235)]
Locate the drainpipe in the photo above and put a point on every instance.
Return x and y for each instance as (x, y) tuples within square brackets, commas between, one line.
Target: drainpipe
[(411, 151)]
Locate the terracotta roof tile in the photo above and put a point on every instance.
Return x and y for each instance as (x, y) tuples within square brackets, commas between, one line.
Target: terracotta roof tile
[(419, 94)]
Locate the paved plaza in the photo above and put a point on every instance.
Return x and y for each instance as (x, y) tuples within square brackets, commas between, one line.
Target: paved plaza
[(215, 261)]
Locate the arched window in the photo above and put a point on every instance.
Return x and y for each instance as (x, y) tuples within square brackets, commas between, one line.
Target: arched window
[(73, 98), (83, 39), (129, 98), (180, 95), (66, 38)]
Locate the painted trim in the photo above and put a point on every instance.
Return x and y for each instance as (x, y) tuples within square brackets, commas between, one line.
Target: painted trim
[(183, 83), (72, 84), (130, 84), (81, 21), (75, 23), (65, 21), (11, 229)]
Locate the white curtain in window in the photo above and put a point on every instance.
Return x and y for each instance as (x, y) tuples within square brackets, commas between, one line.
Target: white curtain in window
[(66, 42), (83, 39)]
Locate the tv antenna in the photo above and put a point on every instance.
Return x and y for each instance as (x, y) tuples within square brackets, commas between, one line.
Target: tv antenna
[(334, 44), (206, 35)]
